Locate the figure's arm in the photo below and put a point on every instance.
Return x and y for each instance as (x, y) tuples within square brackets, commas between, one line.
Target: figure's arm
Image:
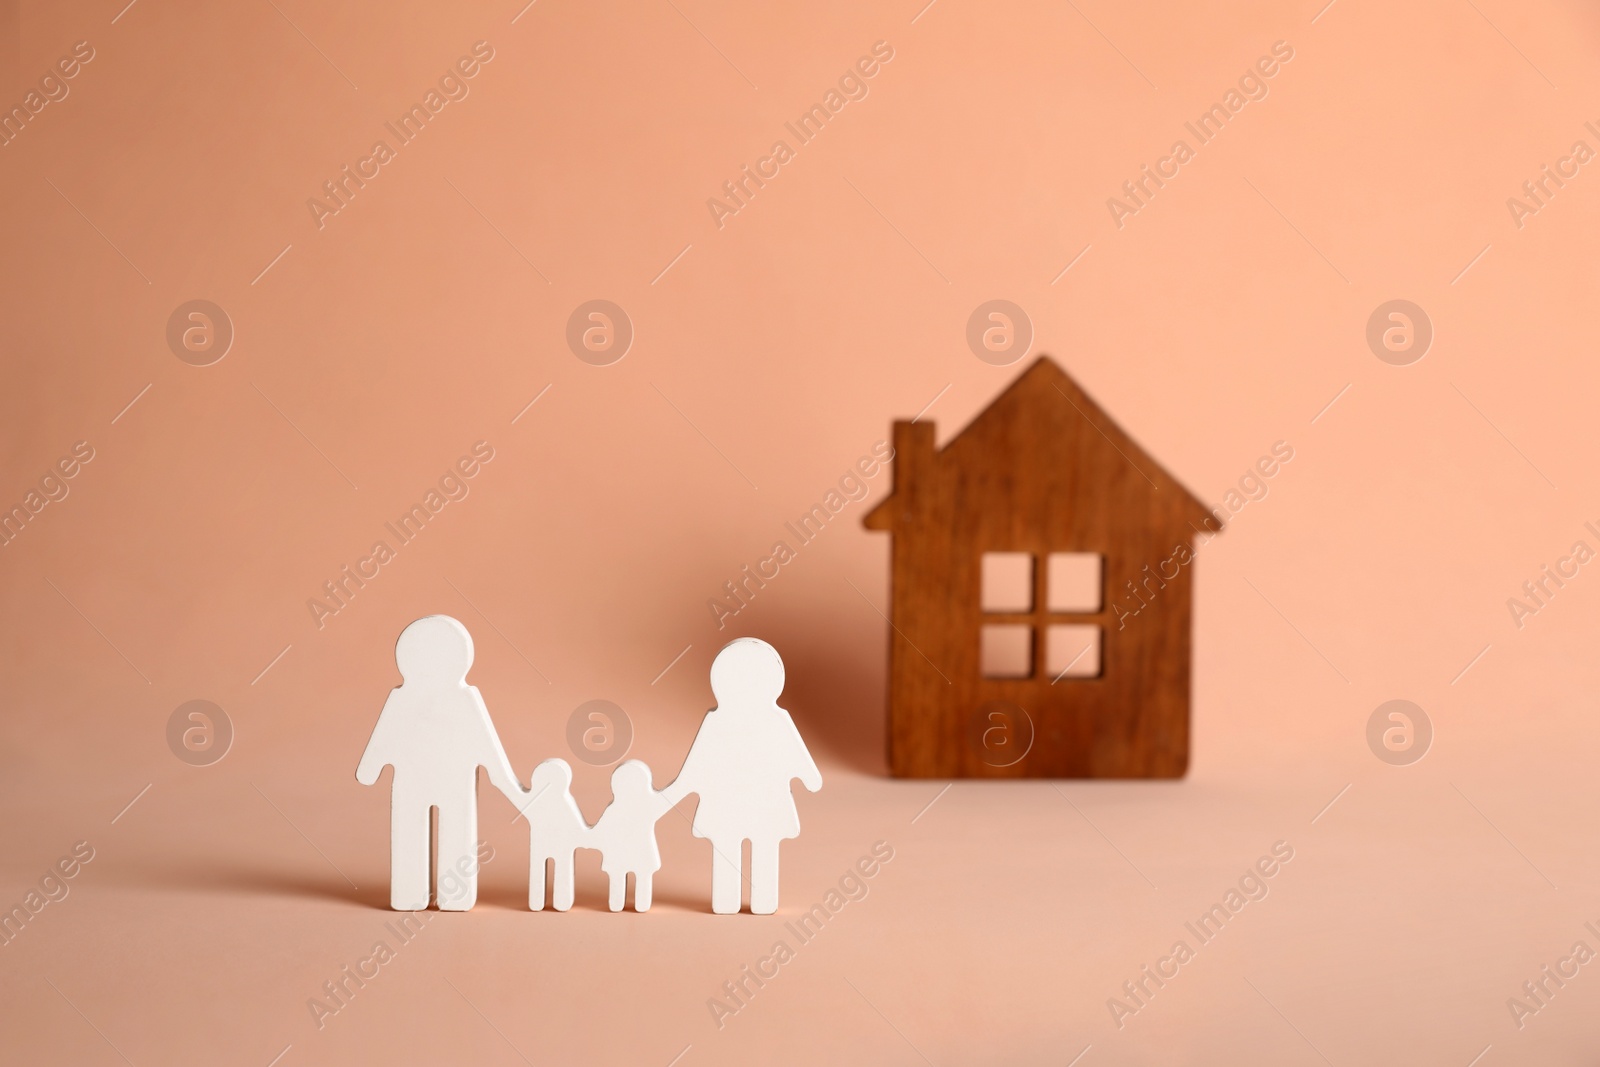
[(505, 779), (805, 768), (494, 758), (688, 779), (522, 800), (377, 754), (661, 804)]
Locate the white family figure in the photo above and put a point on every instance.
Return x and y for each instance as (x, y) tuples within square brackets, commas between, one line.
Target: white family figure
[(741, 763), (436, 732), (626, 834), (556, 831)]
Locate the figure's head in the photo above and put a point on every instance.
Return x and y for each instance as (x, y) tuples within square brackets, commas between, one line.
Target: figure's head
[(631, 779), (553, 776), (436, 650), (747, 673)]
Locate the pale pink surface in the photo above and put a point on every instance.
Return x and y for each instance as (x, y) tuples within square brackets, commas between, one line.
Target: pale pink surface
[(978, 167)]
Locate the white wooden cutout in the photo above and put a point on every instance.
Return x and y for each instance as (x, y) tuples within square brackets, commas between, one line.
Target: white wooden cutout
[(435, 732), (556, 830), (626, 834), (741, 763)]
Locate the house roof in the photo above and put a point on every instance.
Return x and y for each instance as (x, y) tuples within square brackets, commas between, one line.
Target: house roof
[(1045, 382)]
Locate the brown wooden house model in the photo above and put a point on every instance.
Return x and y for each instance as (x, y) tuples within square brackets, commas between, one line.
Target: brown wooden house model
[(1041, 584)]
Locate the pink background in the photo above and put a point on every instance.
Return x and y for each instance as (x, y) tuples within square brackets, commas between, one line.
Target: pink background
[(772, 352)]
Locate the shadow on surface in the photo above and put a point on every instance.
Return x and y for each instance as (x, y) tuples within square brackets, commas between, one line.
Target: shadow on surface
[(256, 881), (836, 697)]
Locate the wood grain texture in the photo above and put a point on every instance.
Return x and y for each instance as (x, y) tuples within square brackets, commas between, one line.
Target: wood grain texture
[(1043, 469)]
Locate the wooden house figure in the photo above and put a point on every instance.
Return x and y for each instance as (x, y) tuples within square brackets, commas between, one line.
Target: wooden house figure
[(1041, 585)]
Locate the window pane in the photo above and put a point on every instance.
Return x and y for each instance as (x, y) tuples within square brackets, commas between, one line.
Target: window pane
[(1006, 651), (1075, 583), (1007, 581), (1072, 651)]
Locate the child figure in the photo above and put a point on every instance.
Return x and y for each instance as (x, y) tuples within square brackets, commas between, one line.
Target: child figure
[(626, 834), (555, 831)]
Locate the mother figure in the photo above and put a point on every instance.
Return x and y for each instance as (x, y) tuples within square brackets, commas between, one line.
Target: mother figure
[(741, 764)]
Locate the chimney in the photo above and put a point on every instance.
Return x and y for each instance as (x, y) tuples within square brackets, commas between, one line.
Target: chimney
[(913, 465)]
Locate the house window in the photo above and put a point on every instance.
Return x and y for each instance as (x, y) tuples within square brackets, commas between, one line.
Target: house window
[(1072, 650), (1041, 618), (1075, 582), (1006, 651), (1007, 581)]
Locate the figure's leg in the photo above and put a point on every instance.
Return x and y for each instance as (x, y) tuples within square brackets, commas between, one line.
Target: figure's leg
[(641, 891), (563, 877), (725, 888), (408, 854), (536, 865), (457, 873), (763, 877), (619, 889)]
